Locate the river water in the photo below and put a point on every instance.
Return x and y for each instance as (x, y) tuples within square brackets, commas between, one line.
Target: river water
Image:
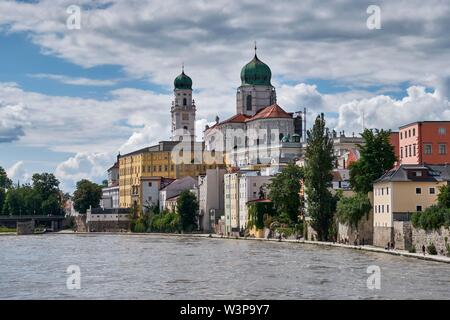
[(159, 267)]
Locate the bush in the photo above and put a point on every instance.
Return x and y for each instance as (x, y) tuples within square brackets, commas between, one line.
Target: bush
[(447, 246), (432, 218), (431, 249), (412, 249), (350, 210)]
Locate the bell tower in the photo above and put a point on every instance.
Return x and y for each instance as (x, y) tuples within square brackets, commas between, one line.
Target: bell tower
[(183, 109)]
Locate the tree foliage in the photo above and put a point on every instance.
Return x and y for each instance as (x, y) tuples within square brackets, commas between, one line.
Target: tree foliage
[(187, 208), (432, 218), (318, 177), (351, 209), (5, 182), (376, 157), (443, 197), (43, 197), (86, 195), (257, 212), (284, 191)]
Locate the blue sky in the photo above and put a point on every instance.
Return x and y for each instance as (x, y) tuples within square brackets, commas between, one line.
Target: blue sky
[(71, 99)]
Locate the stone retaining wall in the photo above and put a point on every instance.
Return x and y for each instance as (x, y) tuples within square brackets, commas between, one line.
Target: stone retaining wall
[(438, 238), (80, 223), (108, 226), (26, 227), (352, 234), (382, 235)]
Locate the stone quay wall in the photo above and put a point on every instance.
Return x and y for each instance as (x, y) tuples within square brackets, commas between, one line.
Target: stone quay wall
[(108, 226), (382, 235), (440, 238), (26, 227)]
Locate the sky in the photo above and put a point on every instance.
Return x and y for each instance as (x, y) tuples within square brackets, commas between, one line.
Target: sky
[(72, 99)]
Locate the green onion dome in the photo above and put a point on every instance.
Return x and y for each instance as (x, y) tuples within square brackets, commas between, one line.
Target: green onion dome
[(256, 72), (183, 82)]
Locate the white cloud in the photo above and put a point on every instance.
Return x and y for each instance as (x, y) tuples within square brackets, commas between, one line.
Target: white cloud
[(12, 120), (73, 80), (18, 173), (90, 166)]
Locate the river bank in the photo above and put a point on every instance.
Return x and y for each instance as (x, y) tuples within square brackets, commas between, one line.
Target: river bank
[(403, 253)]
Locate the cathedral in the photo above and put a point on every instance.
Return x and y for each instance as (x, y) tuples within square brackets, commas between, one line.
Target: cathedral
[(261, 133)]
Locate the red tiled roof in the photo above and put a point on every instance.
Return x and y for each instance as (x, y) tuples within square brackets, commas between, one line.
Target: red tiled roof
[(273, 111)]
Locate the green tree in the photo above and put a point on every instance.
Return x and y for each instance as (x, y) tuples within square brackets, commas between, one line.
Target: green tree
[(444, 196), (284, 191), (2, 199), (376, 157), (46, 185), (351, 209), (87, 194), (5, 182), (187, 208), (51, 206), (13, 204), (318, 177)]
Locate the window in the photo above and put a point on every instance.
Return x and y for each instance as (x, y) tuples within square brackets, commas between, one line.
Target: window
[(382, 191), (387, 208), (401, 135), (249, 103), (185, 116), (432, 191), (387, 191), (427, 148), (184, 102), (418, 173), (418, 190), (401, 153), (442, 131), (414, 132), (410, 151), (419, 208), (442, 148), (409, 133), (149, 184), (414, 150)]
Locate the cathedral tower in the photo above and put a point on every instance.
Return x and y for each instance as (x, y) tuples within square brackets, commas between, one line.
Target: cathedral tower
[(256, 91), (183, 109)]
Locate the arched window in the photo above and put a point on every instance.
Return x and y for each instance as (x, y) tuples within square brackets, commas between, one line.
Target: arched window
[(184, 102), (281, 136), (249, 103)]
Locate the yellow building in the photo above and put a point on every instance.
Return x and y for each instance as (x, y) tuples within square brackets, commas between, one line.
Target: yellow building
[(155, 161), (401, 192)]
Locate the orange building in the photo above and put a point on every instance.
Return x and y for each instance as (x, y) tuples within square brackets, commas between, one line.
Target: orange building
[(425, 142), (394, 139)]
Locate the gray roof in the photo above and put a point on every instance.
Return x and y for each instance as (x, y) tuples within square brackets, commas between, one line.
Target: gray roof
[(405, 173)]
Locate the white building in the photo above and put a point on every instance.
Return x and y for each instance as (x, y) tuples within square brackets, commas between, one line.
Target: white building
[(110, 194), (211, 198), (175, 188), (150, 190), (240, 188)]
